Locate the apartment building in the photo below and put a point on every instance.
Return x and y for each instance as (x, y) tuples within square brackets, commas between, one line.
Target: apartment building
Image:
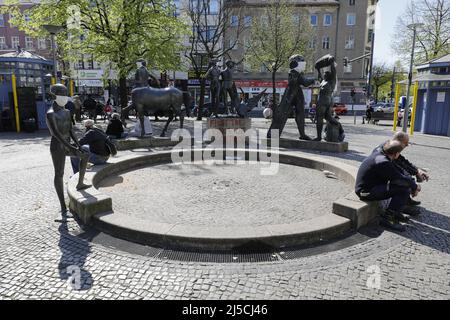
[(343, 28), (11, 38)]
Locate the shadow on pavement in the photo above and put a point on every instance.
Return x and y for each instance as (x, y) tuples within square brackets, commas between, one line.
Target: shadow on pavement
[(74, 252)]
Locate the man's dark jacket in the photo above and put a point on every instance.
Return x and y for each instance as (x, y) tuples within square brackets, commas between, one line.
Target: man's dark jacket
[(402, 163), (96, 140), (378, 170)]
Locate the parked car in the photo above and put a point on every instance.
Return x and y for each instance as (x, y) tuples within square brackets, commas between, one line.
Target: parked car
[(340, 109), (386, 108)]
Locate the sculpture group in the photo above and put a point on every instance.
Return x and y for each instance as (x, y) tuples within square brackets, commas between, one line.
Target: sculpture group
[(294, 100), (149, 101)]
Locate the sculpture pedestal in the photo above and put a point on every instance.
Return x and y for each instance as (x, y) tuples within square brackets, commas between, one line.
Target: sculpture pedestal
[(228, 127)]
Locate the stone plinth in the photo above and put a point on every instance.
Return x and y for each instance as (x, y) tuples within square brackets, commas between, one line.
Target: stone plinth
[(231, 130), (146, 142), (321, 146), (224, 124)]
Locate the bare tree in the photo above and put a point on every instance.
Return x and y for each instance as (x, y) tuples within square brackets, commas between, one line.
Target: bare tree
[(206, 41), (433, 39), (277, 35)]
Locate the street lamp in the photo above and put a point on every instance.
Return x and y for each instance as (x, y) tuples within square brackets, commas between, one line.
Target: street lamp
[(53, 30), (414, 27)]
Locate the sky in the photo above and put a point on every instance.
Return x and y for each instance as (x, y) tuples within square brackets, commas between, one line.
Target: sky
[(387, 14)]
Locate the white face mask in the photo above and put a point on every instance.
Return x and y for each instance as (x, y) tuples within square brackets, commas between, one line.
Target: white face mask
[(301, 67), (61, 100), (139, 65)]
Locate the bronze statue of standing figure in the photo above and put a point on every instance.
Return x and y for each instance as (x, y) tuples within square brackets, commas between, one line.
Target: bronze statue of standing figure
[(326, 67), (293, 98), (229, 88), (60, 126), (142, 76), (213, 75)]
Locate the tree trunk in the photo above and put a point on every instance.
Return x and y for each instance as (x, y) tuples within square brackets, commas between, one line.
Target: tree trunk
[(123, 92), (274, 87), (376, 94), (202, 98)]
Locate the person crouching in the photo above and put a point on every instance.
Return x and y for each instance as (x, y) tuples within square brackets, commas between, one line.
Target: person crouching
[(93, 142), (380, 179)]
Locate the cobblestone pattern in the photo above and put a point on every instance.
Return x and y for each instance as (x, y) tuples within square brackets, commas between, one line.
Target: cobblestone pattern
[(36, 251), (223, 195)]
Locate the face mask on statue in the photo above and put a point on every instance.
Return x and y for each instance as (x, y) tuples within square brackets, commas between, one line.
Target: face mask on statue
[(61, 100), (301, 67)]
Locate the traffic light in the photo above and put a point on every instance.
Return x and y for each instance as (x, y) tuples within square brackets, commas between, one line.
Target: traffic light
[(346, 62)]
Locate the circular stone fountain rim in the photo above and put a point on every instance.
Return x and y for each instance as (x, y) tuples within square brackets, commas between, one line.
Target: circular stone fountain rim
[(95, 208)]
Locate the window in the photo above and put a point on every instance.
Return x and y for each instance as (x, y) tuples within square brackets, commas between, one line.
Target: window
[(213, 6), (370, 35), (296, 18), (248, 21), (314, 19), (350, 42), (15, 43), (264, 21), (2, 43), (2, 20), (312, 43), (234, 21), (42, 44), (326, 42), (351, 19), (352, 2), (327, 20), (194, 5), (29, 43), (79, 65), (211, 33), (11, 17), (27, 18), (177, 5)]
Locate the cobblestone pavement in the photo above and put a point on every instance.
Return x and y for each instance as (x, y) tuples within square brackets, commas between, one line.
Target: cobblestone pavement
[(37, 254), (223, 195)]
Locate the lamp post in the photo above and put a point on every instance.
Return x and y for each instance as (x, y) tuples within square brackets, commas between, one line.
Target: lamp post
[(414, 27), (53, 30)]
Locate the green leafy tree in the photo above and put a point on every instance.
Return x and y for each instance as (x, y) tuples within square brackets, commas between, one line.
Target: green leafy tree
[(382, 75), (277, 34), (114, 32)]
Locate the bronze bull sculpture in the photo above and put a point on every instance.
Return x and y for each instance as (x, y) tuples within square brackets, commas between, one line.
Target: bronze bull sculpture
[(148, 101)]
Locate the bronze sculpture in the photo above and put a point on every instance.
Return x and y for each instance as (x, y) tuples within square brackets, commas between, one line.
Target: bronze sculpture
[(326, 67), (293, 97), (142, 75), (150, 101), (229, 88), (60, 126), (213, 75)]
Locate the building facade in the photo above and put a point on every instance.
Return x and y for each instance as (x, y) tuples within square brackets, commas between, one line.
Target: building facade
[(11, 38), (343, 28)]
